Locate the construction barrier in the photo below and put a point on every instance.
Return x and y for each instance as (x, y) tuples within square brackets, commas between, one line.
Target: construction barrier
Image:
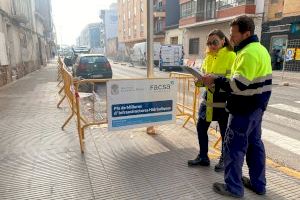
[(90, 109), (188, 101), (188, 97)]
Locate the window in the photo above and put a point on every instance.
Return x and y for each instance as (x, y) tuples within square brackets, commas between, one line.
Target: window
[(278, 14), (188, 9), (232, 3), (194, 46), (174, 40)]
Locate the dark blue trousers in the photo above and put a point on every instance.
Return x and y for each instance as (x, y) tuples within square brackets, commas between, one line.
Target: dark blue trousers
[(243, 137), (219, 115)]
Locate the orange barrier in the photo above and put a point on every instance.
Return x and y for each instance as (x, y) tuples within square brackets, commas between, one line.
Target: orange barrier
[(187, 97), (188, 100)]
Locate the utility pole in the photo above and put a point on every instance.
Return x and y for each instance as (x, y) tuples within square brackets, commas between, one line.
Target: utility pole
[(149, 38), (150, 74)]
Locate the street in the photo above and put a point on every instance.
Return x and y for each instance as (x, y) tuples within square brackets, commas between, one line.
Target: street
[(281, 121)]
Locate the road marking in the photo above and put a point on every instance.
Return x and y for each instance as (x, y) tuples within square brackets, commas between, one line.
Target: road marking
[(282, 141), (286, 108), (269, 134), (282, 120)]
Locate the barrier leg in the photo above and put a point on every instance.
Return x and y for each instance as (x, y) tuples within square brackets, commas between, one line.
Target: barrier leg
[(59, 82), (67, 121), (217, 142), (81, 138), (186, 121), (61, 89), (60, 101)]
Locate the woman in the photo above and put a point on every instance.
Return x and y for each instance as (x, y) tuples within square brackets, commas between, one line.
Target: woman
[(218, 61)]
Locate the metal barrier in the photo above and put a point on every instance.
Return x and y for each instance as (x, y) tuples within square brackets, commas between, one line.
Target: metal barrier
[(69, 93), (187, 97), (188, 100)]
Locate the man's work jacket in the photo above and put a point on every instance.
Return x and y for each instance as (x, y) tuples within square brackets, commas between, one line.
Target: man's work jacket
[(219, 64), (249, 86)]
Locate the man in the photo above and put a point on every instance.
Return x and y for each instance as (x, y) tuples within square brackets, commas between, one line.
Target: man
[(249, 91)]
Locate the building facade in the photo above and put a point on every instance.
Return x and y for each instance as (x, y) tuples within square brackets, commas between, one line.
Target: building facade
[(281, 24), (90, 37), (173, 35), (26, 37), (109, 35), (132, 21), (199, 17)]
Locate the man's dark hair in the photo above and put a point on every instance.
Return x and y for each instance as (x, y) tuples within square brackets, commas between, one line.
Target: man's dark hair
[(244, 23)]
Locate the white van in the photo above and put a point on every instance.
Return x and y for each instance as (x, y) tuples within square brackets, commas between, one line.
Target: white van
[(171, 57), (139, 53)]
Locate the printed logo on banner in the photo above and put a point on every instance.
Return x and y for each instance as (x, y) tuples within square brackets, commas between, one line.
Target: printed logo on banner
[(114, 89)]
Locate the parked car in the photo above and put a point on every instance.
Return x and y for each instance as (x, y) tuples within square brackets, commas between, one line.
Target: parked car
[(92, 66)]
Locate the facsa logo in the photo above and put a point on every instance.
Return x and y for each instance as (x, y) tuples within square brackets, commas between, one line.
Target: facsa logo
[(160, 87)]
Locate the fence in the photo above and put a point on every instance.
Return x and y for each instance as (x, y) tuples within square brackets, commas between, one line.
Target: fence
[(90, 107)]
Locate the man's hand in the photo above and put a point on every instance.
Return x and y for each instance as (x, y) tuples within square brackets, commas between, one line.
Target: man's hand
[(208, 80), (198, 82)]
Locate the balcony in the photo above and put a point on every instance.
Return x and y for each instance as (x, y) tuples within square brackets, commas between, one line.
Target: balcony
[(237, 7), (159, 11), (159, 32), (197, 17), (20, 11)]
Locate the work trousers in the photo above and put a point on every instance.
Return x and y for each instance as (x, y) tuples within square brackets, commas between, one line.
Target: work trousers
[(243, 137), (219, 115)]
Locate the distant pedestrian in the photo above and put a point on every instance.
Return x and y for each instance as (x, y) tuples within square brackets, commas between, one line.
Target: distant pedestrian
[(249, 89), (218, 61)]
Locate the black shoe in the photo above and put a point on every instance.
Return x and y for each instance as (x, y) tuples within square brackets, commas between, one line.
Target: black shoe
[(221, 189), (199, 161), (220, 166), (247, 184)]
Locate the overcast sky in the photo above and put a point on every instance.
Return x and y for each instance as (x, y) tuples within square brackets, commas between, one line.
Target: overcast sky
[(71, 16)]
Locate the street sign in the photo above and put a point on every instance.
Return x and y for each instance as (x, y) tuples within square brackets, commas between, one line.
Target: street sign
[(140, 103)]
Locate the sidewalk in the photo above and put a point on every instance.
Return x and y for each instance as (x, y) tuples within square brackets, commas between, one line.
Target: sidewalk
[(292, 78), (40, 161)]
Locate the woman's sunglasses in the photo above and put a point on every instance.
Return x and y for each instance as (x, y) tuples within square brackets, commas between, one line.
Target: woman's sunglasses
[(214, 42)]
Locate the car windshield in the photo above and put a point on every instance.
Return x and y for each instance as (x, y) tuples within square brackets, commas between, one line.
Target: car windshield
[(93, 59)]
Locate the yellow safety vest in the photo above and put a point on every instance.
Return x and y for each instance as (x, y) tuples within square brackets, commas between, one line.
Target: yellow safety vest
[(219, 64)]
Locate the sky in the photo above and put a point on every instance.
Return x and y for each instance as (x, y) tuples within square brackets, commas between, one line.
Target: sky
[(71, 16)]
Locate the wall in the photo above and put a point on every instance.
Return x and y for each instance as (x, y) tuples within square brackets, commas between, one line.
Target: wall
[(172, 12), (25, 52), (291, 8), (203, 31), (174, 33)]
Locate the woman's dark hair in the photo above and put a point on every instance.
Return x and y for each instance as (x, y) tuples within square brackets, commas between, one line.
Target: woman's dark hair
[(222, 36), (244, 23)]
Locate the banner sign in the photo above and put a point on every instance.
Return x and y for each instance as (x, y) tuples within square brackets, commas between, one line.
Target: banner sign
[(140, 103)]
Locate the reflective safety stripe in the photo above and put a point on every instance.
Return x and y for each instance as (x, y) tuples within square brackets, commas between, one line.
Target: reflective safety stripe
[(214, 105), (247, 82), (209, 109), (250, 92)]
